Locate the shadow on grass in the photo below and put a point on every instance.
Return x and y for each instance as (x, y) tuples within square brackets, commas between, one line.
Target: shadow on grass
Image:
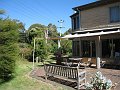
[(6, 79)]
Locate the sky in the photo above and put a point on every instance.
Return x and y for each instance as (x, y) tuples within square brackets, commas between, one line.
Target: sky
[(42, 11)]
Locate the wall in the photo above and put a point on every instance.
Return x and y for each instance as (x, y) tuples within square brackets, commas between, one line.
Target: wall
[(96, 16)]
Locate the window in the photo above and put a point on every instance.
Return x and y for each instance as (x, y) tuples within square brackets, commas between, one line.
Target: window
[(115, 14), (75, 22), (78, 22), (88, 48), (76, 49)]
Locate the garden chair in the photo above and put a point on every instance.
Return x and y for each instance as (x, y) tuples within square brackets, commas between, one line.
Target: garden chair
[(85, 62), (93, 62)]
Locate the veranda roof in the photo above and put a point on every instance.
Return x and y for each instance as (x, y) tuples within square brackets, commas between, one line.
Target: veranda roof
[(90, 34)]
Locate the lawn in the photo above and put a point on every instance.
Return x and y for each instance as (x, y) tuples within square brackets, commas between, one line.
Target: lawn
[(22, 81)]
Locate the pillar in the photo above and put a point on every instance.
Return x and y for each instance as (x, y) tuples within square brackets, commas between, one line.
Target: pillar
[(112, 49), (80, 48), (98, 52), (59, 44)]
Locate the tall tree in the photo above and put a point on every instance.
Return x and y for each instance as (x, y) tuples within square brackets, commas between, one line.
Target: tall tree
[(52, 29), (52, 33), (38, 31)]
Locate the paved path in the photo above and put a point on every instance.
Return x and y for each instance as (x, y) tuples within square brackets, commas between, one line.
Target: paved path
[(111, 74)]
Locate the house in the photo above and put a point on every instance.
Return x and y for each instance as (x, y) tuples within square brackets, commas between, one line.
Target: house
[(96, 30)]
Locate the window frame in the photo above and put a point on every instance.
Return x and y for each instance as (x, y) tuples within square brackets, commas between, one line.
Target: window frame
[(76, 22), (118, 14)]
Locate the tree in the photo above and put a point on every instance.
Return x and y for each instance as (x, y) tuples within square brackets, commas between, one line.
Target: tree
[(37, 32), (9, 33), (66, 45), (52, 29), (52, 33), (41, 49)]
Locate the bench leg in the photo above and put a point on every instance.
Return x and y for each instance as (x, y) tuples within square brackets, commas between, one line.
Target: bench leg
[(46, 76), (78, 84)]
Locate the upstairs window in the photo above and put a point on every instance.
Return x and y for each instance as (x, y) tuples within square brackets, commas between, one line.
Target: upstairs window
[(75, 22), (115, 14), (78, 22)]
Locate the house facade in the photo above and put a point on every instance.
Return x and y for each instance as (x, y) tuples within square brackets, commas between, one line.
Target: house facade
[(96, 30)]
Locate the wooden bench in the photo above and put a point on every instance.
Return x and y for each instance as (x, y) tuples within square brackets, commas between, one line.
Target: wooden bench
[(72, 73)]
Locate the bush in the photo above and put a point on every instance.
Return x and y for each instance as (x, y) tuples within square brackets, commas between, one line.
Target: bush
[(25, 50), (99, 82), (7, 65), (9, 33)]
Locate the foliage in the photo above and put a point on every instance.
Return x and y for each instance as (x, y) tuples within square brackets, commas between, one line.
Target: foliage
[(35, 30), (99, 82), (8, 46), (41, 49), (52, 46), (7, 64), (66, 46), (52, 30), (52, 33), (25, 50)]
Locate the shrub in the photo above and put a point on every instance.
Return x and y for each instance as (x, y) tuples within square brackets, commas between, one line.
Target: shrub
[(7, 65), (99, 82), (25, 50), (8, 47), (41, 50)]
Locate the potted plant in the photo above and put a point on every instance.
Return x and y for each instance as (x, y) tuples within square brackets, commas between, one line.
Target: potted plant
[(99, 82)]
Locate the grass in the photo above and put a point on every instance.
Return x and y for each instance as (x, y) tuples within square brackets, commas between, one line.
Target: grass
[(22, 81)]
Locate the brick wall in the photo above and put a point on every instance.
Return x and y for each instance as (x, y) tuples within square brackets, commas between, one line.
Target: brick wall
[(96, 16)]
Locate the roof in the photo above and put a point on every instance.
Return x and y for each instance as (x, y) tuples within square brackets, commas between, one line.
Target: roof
[(95, 4), (91, 34), (99, 28), (74, 14)]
